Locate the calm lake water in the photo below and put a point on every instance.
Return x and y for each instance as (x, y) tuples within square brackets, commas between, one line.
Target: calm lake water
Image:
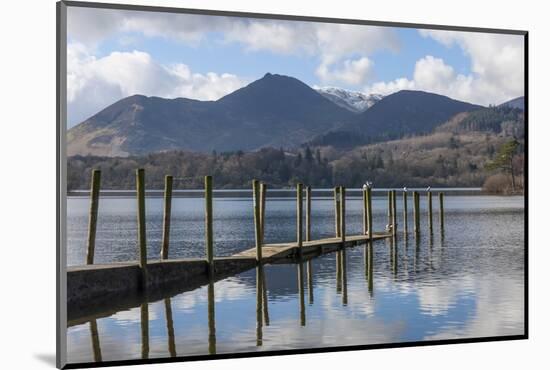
[(466, 283)]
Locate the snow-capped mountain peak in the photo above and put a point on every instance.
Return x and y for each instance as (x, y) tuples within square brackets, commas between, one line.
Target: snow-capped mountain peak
[(354, 101)]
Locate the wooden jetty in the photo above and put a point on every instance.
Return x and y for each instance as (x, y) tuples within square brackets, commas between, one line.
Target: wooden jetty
[(93, 289)]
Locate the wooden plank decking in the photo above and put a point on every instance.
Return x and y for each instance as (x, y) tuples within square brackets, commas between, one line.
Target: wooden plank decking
[(272, 252)]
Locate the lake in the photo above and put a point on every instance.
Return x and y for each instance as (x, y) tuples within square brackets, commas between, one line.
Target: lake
[(467, 282)]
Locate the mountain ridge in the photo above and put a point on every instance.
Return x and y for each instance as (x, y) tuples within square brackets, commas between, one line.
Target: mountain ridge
[(274, 111)]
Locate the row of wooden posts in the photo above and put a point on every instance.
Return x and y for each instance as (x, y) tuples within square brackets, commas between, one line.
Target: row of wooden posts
[(259, 201)]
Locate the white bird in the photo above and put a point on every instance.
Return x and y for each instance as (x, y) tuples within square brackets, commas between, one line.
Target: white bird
[(365, 186), (405, 189), (429, 188)]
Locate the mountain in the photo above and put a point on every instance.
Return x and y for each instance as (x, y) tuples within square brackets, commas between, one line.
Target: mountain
[(406, 112), (515, 103), (273, 111), (354, 101)]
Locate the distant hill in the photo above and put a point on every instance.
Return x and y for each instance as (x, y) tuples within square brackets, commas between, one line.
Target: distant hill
[(403, 113), (354, 101), (272, 111), (515, 103), (502, 120)]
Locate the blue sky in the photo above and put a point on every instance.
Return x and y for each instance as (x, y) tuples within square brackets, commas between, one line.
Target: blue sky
[(113, 54)]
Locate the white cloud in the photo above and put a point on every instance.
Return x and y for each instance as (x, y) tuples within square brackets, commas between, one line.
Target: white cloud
[(352, 72), (497, 67), (94, 83), (331, 43)]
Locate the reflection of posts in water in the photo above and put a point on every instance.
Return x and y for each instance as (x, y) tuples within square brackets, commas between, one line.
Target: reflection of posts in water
[(370, 266), (95, 341), (393, 248), (145, 330), (211, 319), (406, 253), (170, 327), (301, 293), (338, 272), (416, 252), (344, 277), (259, 305), (264, 298), (430, 248), (310, 281)]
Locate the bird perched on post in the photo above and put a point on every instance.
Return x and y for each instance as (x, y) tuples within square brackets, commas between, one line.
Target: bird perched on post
[(404, 189), (428, 188)]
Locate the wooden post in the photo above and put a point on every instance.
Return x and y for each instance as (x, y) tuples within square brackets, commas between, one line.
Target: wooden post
[(166, 217), (364, 197), (430, 221), (343, 214), (394, 212), (263, 194), (257, 219), (405, 213), (441, 212), (308, 213), (208, 221), (337, 210), (369, 213), (389, 207), (140, 176), (92, 224), (416, 212), (299, 217)]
